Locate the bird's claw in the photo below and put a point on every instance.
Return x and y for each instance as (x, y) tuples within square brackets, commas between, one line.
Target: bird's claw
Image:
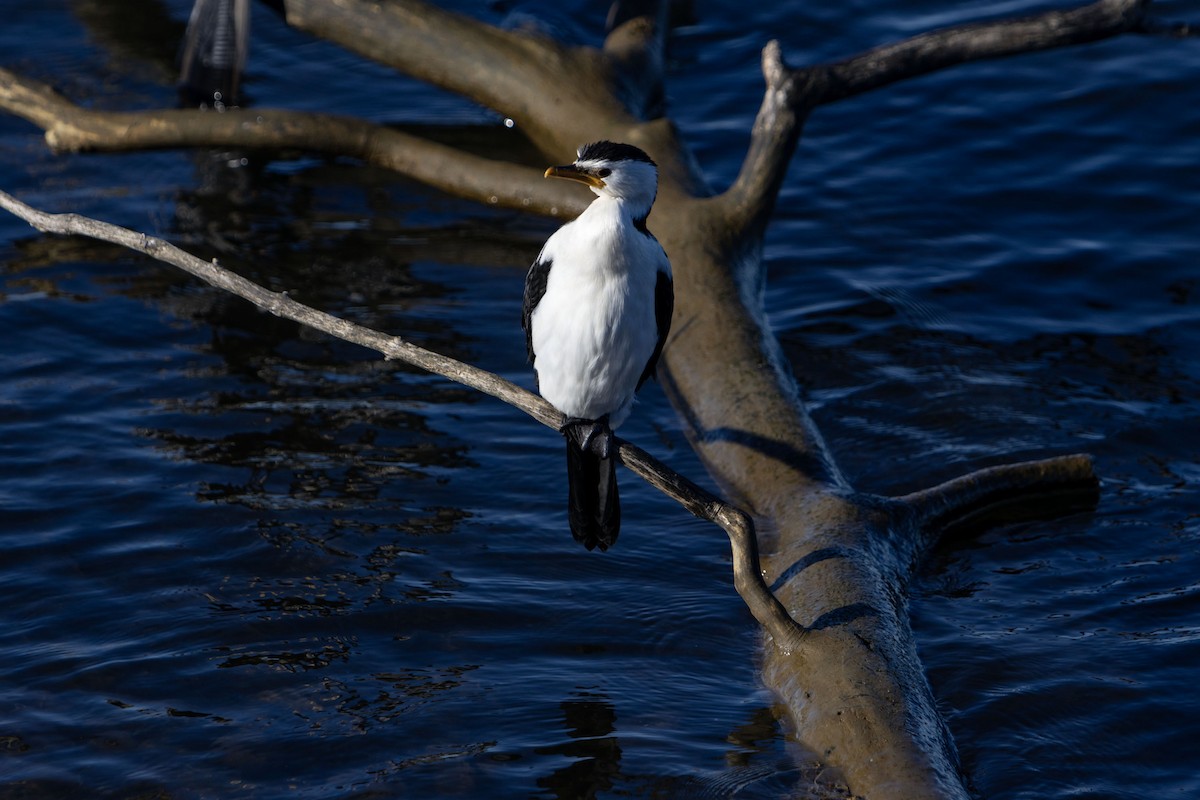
[(589, 434)]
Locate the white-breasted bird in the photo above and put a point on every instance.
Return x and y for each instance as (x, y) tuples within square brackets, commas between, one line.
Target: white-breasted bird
[(598, 303)]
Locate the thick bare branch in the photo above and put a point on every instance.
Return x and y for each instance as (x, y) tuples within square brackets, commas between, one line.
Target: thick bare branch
[(748, 577), (787, 100), (792, 94), (525, 76), (72, 128), (457, 53)]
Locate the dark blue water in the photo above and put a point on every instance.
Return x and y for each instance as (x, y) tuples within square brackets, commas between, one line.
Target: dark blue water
[(242, 560)]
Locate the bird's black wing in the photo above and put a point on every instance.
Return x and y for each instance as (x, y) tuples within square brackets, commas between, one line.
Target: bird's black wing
[(535, 289), (664, 307)]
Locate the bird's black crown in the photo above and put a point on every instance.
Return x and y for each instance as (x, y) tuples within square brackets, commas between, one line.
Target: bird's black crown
[(613, 151)]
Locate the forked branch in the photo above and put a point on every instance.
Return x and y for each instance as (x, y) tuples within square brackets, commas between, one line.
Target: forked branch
[(748, 577)]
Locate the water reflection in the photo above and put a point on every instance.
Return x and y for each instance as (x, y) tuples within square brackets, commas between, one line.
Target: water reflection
[(309, 421), (139, 35), (390, 694), (590, 722)]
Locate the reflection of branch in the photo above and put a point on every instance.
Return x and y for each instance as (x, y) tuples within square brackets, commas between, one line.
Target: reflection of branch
[(792, 93), (73, 128), (748, 578)]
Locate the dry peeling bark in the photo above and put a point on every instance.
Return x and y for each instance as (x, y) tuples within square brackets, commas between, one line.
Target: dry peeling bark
[(844, 663)]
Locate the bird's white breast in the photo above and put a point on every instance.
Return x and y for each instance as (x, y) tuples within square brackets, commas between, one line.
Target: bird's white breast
[(595, 329)]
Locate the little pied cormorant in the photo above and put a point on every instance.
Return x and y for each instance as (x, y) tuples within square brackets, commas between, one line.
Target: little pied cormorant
[(598, 303)]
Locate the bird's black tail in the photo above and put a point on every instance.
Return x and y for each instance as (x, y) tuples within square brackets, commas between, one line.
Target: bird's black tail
[(593, 506)]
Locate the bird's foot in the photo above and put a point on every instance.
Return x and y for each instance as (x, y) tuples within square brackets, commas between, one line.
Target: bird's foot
[(589, 434)]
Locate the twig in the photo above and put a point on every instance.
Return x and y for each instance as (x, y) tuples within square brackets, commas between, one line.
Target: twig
[(748, 577)]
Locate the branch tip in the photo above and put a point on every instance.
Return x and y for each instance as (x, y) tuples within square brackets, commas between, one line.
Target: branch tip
[(773, 66)]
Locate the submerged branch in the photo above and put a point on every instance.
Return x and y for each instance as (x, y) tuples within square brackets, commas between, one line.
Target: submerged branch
[(70, 127), (748, 578), (491, 66), (1005, 493)]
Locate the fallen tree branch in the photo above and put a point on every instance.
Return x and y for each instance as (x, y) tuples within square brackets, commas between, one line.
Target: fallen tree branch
[(840, 561), (748, 577), (72, 128)]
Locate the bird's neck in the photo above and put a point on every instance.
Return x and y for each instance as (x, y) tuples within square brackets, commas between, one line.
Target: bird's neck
[(620, 209)]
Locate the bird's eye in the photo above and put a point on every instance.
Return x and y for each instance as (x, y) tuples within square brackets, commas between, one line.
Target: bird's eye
[(604, 172)]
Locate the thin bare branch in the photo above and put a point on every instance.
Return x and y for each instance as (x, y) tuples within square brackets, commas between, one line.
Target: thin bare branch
[(748, 577), (72, 128)]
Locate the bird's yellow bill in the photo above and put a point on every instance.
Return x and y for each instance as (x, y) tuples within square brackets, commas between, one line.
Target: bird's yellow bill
[(574, 173)]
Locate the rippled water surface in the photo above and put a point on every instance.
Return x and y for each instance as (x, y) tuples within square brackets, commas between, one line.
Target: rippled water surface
[(238, 559)]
